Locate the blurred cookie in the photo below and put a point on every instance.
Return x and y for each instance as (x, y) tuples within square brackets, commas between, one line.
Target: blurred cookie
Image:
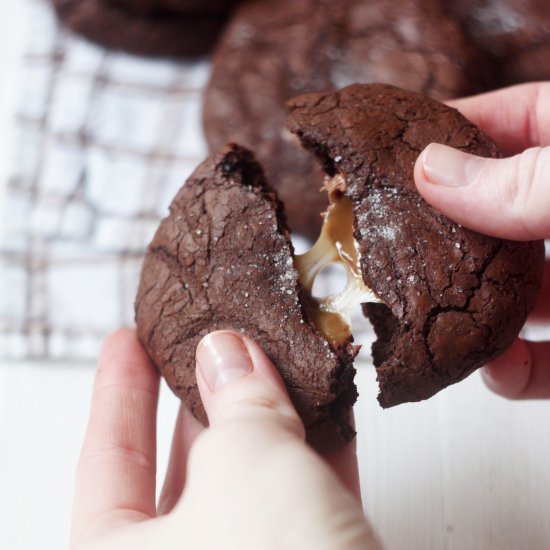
[(276, 49), (514, 33), (140, 29)]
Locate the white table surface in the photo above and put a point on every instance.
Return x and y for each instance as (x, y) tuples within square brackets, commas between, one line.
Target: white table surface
[(465, 470)]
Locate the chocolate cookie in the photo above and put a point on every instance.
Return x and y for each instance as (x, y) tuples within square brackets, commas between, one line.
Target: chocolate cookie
[(277, 49), (222, 259), (451, 299), (515, 34), (140, 29)]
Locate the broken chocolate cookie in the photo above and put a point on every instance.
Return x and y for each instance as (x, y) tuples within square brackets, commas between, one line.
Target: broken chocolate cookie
[(443, 300), (222, 259), (449, 299)]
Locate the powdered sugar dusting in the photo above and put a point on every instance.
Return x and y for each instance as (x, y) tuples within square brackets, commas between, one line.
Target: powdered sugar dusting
[(377, 221), (285, 283), (387, 232)]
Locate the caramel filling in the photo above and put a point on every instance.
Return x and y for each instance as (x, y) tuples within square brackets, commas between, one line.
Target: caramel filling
[(332, 314)]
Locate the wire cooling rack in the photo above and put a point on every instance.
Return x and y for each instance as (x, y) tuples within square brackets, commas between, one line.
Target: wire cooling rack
[(102, 142)]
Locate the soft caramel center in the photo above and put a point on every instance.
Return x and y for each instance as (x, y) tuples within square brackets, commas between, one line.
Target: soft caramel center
[(336, 244)]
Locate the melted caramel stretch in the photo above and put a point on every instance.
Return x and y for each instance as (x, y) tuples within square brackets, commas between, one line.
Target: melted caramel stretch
[(331, 315)]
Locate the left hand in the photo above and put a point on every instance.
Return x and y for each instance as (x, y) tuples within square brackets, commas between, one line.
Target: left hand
[(247, 481)]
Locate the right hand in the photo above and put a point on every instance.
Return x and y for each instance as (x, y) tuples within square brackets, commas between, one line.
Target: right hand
[(507, 198)]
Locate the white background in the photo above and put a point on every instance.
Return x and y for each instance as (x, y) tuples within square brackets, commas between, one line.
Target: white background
[(464, 470)]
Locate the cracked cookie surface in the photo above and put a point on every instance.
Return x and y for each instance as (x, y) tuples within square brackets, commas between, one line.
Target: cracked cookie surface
[(454, 299), (277, 49), (222, 259)]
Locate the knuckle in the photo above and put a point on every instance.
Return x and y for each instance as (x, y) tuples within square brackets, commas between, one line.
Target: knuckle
[(525, 194), (539, 111), (531, 128), (249, 419), (261, 401), (266, 408), (506, 183), (120, 454), (523, 176)]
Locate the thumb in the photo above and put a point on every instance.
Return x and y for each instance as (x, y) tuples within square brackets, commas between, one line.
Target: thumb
[(507, 198), (239, 384)]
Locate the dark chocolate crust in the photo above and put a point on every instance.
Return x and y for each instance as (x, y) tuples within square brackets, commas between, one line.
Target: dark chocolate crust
[(454, 299), (222, 259), (515, 35), (277, 49), (154, 34)]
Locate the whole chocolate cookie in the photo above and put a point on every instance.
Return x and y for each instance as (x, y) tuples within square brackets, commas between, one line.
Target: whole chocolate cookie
[(222, 259), (514, 33), (158, 32), (277, 49), (452, 299)]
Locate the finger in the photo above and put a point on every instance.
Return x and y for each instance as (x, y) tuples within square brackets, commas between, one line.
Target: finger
[(185, 432), (522, 372), (514, 117), (240, 387), (344, 464), (507, 198), (225, 357), (255, 448), (115, 480)]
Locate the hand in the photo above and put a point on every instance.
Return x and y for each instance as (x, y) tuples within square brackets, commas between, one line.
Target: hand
[(247, 481), (507, 198)]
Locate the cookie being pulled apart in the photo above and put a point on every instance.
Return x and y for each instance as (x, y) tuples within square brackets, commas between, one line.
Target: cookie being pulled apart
[(443, 300)]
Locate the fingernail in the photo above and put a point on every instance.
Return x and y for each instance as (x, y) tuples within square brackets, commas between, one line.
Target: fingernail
[(489, 378), (222, 357), (509, 374), (503, 381), (446, 166)]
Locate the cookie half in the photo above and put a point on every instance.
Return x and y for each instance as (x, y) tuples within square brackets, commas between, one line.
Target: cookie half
[(450, 299), (274, 50), (223, 259)]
